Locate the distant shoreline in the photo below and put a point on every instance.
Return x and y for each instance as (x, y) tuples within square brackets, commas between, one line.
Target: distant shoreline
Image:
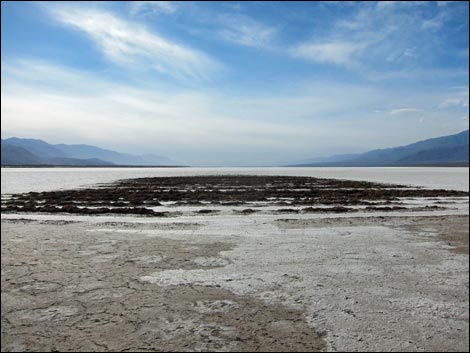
[(463, 164), (448, 165), (93, 166)]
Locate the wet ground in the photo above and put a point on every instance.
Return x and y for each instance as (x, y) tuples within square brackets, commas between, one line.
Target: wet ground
[(160, 197)]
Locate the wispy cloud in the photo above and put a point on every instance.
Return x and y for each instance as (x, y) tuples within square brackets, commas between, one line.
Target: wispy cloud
[(404, 110), (135, 47), (383, 38), (459, 99), (336, 52), (152, 7), (196, 127), (245, 31), (455, 102), (44, 100)]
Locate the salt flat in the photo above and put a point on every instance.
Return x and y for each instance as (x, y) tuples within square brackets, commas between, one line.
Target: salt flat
[(347, 279), (235, 283)]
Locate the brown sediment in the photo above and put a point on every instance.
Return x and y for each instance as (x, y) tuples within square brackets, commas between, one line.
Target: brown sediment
[(452, 230), (138, 196), (207, 211), (337, 209), (246, 211)]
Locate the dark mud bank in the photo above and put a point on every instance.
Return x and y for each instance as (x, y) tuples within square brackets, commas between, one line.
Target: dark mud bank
[(139, 196)]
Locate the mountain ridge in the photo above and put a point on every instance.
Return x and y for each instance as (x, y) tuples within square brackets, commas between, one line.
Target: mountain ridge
[(450, 149), (18, 151)]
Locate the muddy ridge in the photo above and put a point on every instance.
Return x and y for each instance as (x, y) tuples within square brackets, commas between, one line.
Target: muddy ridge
[(139, 196)]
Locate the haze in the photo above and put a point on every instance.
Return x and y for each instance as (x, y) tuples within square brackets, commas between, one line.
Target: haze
[(227, 83)]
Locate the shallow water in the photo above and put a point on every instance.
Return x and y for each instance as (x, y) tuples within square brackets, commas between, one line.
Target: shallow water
[(15, 180)]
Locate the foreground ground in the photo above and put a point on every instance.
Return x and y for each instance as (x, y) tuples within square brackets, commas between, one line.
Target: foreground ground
[(292, 280)]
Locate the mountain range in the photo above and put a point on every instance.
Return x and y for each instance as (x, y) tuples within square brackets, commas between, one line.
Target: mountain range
[(19, 151), (445, 150)]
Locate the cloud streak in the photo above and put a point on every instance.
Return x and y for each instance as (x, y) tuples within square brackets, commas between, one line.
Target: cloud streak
[(404, 110), (246, 31), (44, 100), (135, 47), (335, 52), (460, 99), (382, 39), (152, 7)]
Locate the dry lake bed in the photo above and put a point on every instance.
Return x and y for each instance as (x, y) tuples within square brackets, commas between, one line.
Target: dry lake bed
[(236, 263)]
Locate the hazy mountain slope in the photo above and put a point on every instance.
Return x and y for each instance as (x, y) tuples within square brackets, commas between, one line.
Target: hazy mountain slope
[(77, 161), (38, 147), (14, 155), (438, 146), (439, 150), (33, 151), (87, 151), (331, 159), (457, 154)]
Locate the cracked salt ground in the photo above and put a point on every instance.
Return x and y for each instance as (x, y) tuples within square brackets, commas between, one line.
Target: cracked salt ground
[(83, 305), (236, 283), (51, 313), (147, 259), (217, 306), (358, 283), (210, 261)]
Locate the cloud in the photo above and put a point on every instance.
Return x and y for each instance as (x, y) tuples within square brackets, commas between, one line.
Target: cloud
[(383, 39), (134, 47), (62, 105), (152, 7), (335, 52), (454, 102), (44, 100), (459, 99), (434, 23), (243, 30), (404, 110), (444, 3)]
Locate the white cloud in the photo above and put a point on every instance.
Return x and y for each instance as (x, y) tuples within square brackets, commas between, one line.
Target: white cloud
[(135, 47), (335, 52), (404, 110), (152, 7), (60, 105), (444, 3), (434, 23), (382, 39), (245, 31), (459, 99), (454, 102)]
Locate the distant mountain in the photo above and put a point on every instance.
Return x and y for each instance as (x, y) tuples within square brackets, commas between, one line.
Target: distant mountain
[(15, 155), (445, 150), (17, 151), (38, 147), (87, 151), (331, 159)]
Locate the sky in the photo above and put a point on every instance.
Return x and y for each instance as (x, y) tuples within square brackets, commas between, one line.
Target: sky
[(235, 83)]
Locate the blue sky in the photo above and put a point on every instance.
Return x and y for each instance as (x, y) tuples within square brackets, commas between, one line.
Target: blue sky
[(235, 83)]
